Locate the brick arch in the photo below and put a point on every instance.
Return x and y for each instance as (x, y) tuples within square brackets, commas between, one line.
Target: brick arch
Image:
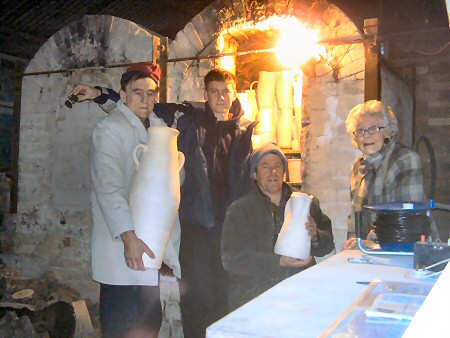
[(94, 40), (54, 155)]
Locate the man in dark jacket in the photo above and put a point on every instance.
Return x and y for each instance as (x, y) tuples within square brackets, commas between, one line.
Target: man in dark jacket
[(251, 227), (217, 151), (216, 173)]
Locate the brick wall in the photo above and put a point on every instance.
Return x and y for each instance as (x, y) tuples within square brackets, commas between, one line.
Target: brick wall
[(53, 223), (396, 93), (422, 58)]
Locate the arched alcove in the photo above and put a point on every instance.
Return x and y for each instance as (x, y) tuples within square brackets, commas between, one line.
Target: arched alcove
[(53, 223)]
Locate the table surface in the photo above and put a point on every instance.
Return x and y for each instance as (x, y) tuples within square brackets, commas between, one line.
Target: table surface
[(306, 304)]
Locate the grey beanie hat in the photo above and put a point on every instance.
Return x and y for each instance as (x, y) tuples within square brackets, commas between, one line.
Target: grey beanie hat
[(265, 149)]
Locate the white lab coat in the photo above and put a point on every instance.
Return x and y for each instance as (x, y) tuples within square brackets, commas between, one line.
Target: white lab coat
[(112, 167)]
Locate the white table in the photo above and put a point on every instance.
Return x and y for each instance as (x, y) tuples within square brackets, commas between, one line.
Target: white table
[(305, 304)]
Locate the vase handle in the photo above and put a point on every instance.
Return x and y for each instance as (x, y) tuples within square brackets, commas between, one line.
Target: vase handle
[(181, 160), (136, 161)]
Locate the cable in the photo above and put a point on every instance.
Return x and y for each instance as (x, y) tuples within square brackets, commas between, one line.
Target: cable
[(422, 274), (434, 274), (338, 63), (436, 264), (439, 51), (408, 51), (401, 227)]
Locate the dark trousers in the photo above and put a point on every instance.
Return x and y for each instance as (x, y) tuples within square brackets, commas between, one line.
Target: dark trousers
[(203, 283), (130, 311)]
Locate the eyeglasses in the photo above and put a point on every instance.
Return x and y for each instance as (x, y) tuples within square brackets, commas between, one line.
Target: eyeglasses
[(371, 131)]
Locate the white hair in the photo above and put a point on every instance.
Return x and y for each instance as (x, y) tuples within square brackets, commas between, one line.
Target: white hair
[(376, 109)]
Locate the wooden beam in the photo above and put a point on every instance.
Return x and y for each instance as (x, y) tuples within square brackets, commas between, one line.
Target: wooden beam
[(162, 61), (19, 68), (372, 78)]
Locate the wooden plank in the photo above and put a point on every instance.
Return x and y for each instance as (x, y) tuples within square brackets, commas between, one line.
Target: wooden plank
[(372, 78), (19, 68), (83, 328), (162, 61)]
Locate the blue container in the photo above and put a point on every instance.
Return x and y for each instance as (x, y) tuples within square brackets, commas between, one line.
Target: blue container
[(397, 247)]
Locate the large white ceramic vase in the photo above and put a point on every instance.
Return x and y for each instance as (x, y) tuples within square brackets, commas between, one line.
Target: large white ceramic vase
[(265, 95), (293, 239), (285, 101), (155, 190)]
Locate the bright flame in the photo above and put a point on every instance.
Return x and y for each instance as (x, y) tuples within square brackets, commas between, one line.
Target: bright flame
[(228, 63), (297, 43)]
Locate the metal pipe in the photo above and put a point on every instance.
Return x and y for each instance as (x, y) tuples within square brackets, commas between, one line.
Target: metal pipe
[(191, 58), (216, 56), (381, 252), (259, 51), (74, 69)]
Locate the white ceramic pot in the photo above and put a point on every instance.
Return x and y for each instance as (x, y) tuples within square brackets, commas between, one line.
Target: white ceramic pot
[(155, 191), (298, 95), (284, 128), (248, 104), (296, 133), (266, 121), (285, 102), (251, 96), (263, 138), (265, 92), (293, 239), (284, 89)]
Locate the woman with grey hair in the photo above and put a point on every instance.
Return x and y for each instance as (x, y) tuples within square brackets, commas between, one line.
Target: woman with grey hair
[(387, 171)]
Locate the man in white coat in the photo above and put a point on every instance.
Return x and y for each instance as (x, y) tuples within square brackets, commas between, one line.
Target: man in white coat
[(129, 294)]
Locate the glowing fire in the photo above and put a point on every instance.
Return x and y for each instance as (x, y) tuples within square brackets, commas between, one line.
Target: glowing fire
[(297, 44)]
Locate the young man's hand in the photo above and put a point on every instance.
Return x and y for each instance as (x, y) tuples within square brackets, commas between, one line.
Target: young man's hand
[(85, 92), (134, 248)]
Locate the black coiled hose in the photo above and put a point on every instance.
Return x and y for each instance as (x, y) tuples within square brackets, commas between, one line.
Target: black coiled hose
[(405, 227)]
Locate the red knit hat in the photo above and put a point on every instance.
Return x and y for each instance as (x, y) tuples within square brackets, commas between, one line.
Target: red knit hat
[(146, 69)]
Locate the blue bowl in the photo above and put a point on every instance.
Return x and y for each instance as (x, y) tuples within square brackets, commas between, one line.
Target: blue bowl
[(397, 247)]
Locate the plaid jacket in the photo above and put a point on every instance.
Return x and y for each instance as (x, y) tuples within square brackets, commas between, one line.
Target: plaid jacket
[(392, 174)]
